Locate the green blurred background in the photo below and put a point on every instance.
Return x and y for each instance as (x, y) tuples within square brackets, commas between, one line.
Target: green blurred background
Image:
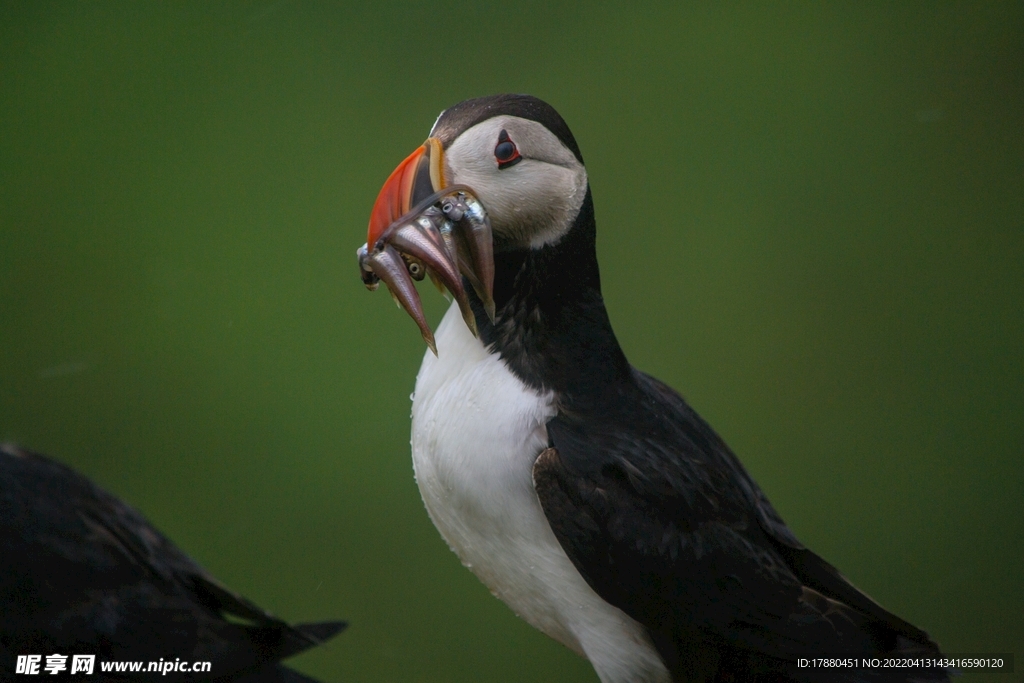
[(811, 223)]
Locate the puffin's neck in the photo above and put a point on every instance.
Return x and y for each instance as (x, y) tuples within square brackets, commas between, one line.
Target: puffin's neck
[(551, 327)]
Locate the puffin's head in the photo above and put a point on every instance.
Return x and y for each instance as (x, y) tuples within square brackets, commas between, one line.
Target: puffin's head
[(513, 156), (514, 152)]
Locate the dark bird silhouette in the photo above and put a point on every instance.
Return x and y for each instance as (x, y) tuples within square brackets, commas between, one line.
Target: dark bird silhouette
[(81, 572)]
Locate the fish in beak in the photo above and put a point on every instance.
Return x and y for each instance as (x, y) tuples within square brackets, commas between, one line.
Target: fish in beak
[(422, 226)]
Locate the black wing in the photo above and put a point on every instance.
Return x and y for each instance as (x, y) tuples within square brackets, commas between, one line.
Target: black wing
[(663, 522), (82, 572)]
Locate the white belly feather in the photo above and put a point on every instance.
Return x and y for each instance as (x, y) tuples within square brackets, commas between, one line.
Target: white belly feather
[(476, 431)]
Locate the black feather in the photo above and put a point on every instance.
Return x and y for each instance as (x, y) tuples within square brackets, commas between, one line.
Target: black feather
[(83, 572)]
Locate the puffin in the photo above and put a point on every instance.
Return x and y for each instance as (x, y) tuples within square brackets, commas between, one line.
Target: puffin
[(585, 494), (84, 573)]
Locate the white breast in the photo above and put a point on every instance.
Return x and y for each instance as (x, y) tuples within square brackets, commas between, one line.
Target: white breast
[(476, 431)]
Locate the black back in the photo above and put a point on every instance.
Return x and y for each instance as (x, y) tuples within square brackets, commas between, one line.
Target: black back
[(81, 572)]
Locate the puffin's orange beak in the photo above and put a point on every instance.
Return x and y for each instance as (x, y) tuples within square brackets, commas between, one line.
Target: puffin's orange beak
[(415, 179), (420, 226)]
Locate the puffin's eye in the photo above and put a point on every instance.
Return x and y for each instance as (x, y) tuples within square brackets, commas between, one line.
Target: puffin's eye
[(506, 152)]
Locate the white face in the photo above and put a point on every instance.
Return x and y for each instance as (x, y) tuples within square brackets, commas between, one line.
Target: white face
[(533, 202)]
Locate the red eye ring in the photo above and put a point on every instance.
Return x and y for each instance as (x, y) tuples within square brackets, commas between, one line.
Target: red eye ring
[(505, 152)]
